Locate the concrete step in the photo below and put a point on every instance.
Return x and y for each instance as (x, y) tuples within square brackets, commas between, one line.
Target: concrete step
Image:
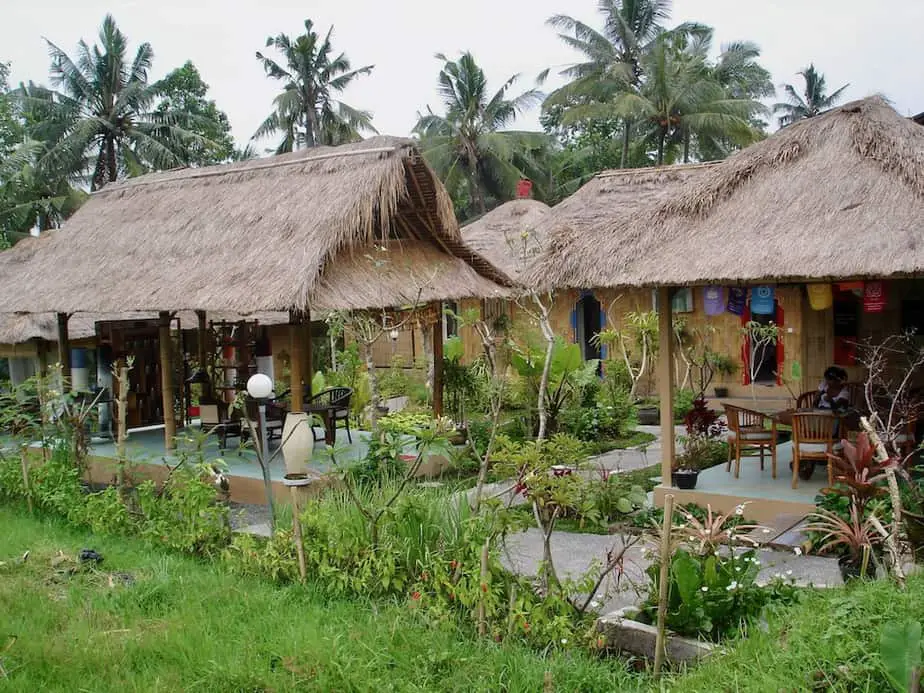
[(785, 532)]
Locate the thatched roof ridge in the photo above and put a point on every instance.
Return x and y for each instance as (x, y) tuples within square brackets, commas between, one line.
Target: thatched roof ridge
[(239, 238), (505, 236), (919, 118), (838, 196)]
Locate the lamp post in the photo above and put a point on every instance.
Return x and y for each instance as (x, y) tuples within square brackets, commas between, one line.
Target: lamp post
[(260, 387)]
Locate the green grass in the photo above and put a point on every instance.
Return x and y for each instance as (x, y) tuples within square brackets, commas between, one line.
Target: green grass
[(830, 642), (186, 625)]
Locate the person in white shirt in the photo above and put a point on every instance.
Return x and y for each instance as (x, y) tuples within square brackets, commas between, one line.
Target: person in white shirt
[(833, 393)]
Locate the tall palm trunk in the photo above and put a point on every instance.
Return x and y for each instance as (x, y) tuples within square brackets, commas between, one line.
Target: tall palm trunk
[(111, 167), (626, 131), (662, 135), (686, 146)]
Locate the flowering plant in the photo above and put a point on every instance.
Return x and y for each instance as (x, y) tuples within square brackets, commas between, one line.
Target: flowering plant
[(712, 587)]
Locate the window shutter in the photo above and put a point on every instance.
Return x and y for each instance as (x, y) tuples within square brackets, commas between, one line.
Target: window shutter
[(574, 325)]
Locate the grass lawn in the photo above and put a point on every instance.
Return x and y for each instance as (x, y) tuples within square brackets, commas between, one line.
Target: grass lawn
[(633, 440), (177, 624)]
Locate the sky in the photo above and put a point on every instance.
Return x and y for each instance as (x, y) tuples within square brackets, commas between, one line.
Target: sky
[(853, 42)]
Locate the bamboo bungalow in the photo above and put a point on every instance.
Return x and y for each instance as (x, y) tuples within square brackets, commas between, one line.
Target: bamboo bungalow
[(830, 205), (361, 226)]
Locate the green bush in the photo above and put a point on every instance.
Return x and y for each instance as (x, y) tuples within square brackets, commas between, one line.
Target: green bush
[(683, 404)]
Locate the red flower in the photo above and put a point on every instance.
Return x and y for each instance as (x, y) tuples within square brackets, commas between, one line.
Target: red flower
[(453, 564), (415, 596), (525, 626), (484, 587), (425, 576), (452, 596)]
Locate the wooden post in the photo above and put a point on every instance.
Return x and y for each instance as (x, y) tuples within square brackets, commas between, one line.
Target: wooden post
[(297, 533), (666, 528), (308, 351), (666, 382), (438, 366), (166, 380), (295, 361), (64, 347)]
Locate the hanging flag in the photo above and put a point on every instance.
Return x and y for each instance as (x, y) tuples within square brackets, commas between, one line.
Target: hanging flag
[(714, 300), (524, 187), (851, 287), (820, 296), (874, 297), (762, 302), (737, 300)]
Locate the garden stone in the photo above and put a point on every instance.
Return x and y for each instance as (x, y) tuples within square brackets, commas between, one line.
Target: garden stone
[(622, 633)]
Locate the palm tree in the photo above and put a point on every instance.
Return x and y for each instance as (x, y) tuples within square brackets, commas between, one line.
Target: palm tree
[(102, 120), (613, 57), (467, 146), (811, 102), (306, 111)]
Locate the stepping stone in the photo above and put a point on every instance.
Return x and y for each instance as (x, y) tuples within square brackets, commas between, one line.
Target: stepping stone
[(261, 529), (782, 530)]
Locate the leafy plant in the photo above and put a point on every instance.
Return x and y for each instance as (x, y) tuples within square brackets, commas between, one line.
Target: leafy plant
[(855, 538), (900, 651), (683, 403), (861, 476)]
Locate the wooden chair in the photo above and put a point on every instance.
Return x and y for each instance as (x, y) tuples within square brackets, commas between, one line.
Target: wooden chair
[(747, 431), (812, 439), (807, 400), (214, 416), (856, 396), (334, 405)]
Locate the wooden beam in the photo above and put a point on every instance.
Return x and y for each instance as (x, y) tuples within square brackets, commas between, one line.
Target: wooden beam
[(166, 380), (666, 382), (296, 361), (309, 356), (64, 347), (432, 224), (438, 367)]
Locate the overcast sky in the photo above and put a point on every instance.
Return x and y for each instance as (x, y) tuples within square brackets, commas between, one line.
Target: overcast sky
[(873, 48)]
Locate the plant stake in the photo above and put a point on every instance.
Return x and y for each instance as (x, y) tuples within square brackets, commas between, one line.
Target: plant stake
[(666, 528)]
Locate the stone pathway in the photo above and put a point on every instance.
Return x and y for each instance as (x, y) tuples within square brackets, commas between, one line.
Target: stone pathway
[(574, 554)]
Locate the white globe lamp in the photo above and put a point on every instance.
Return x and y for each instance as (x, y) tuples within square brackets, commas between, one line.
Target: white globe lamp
[(259, 386)]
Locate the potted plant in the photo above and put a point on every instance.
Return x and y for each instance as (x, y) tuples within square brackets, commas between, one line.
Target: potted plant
[(854, 539), (722, 366), (649, 413), (688, 464)]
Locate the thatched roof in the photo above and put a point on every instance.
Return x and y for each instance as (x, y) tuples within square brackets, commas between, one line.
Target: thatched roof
[(838, 196), (505, 237), (252, 236), (919, 118), (592, 213), (18, 328)]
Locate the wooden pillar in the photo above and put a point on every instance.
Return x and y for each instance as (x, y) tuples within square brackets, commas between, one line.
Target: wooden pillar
[(64, 347), (166, 380), (438, 366), (666, 382), (201, 338), (297, 359), (309, 351)]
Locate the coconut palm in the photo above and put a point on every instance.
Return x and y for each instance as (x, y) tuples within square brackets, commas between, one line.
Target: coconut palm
[(306, 112), (467, 145), (612, 62), (101, 120), (813, 100)]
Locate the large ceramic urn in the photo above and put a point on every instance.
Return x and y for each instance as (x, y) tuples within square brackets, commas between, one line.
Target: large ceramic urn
[(297, 442)]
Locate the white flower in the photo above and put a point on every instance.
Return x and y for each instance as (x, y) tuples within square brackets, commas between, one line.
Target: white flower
[(704, 588), (595, 603), (739, 510), (564, 641), (737, 568), (765, 531), (732, 586), (755, 560), (788, 572), (797, 551)]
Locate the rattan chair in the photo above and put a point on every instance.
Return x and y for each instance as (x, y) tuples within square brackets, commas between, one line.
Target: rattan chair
[(812, 439), (748, 432)]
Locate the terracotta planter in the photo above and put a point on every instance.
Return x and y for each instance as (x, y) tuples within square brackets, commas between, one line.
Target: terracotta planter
[(298, 442), (685, 478)]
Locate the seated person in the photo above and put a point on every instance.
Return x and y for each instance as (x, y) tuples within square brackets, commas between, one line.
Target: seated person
[(833, 393)]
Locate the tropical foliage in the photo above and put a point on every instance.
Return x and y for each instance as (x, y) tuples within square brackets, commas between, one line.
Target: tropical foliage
[(479, 161), (307, 112), (813, 100)]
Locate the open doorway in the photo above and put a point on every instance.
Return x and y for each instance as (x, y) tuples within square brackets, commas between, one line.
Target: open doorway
[(588, 319)]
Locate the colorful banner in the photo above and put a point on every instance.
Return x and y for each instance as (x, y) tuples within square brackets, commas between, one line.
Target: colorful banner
[(762, 300), (737, 300), (874, 297), (820, 296), (714, 300)]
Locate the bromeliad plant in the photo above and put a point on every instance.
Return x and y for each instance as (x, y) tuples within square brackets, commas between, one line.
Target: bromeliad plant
[(855, 540), (859, 476)]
